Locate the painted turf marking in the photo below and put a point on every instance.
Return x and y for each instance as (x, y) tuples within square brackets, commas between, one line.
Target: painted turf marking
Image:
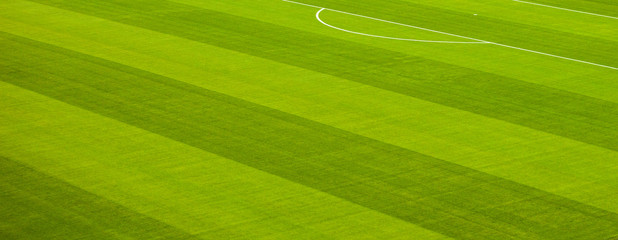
[(317, 16), (455, 35), (386, 21), (566, 9)]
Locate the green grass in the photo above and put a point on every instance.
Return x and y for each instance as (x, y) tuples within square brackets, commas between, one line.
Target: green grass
[(247, 119)]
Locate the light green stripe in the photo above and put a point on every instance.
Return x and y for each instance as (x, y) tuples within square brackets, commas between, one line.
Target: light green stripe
[(44, 206)]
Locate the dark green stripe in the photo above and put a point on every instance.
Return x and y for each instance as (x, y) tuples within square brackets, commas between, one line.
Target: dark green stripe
[(546, 109), (34, 205), (436, 194)]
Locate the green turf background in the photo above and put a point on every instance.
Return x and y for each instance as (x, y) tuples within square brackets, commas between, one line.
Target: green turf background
[(247, 119)]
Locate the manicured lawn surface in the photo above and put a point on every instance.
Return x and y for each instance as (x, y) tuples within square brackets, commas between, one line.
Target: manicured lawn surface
[(251, 119)]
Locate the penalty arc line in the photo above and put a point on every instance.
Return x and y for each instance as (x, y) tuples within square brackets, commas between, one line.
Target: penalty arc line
[(455, 35), (565, 9), (386, 21), (317, 16)]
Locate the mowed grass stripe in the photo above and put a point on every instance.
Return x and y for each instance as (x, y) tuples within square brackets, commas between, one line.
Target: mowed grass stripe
[(432, 193), (542, 108), (201, 193), (41, 199)]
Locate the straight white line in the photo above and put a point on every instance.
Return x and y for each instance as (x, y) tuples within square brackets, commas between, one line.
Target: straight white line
[(317, 16), (555, 56), (455, 35), (566, 9)]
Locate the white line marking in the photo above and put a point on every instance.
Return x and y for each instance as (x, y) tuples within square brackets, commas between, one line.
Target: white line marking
[(450, 34), (386, 21), (317, 15), (555, 56), (566, 9)]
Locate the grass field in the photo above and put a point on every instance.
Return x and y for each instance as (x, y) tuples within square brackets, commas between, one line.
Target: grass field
[(318, 119)]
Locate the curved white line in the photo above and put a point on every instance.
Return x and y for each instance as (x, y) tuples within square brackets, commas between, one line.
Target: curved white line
[(317, 16)]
